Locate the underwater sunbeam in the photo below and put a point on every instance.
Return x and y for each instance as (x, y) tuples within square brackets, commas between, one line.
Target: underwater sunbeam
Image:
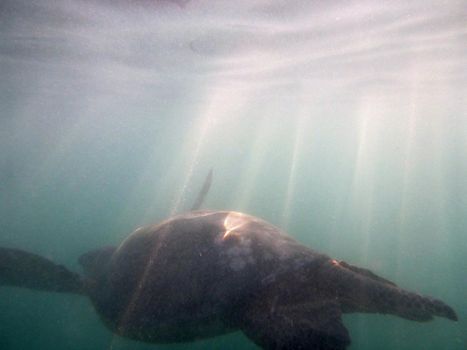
[(295, 158)]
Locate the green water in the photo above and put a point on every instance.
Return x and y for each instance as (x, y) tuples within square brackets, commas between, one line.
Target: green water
[(346, 125)]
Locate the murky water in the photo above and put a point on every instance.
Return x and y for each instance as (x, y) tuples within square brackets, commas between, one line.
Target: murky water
[(343, 122)]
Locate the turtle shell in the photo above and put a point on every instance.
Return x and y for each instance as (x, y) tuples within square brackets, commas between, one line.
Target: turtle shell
[(189, 276)]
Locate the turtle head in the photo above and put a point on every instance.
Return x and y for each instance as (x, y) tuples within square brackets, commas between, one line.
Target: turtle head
[(96, 262)]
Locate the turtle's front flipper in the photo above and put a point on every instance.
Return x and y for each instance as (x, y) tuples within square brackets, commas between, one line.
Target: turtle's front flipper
[(22, 269), (360, 290), (203, 193)]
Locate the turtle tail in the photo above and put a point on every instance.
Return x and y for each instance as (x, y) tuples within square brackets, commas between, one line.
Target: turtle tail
[(23, 269), (360, 290)]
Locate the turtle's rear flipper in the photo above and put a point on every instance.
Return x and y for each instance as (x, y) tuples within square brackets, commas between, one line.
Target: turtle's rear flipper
[(22, 269), (311, 325)]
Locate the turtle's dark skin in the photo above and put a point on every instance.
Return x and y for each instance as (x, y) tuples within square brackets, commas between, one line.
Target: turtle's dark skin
[(206, 273)]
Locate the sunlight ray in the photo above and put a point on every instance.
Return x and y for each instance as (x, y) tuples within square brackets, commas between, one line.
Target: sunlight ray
[(408, 167), (221, 101), (300, 129), (363, 184), (256, 159)]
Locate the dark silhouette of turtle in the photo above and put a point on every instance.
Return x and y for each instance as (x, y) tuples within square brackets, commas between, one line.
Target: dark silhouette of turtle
[(206, 273)]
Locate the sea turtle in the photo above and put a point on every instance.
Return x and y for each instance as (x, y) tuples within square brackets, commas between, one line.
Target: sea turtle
[(206, 273)]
